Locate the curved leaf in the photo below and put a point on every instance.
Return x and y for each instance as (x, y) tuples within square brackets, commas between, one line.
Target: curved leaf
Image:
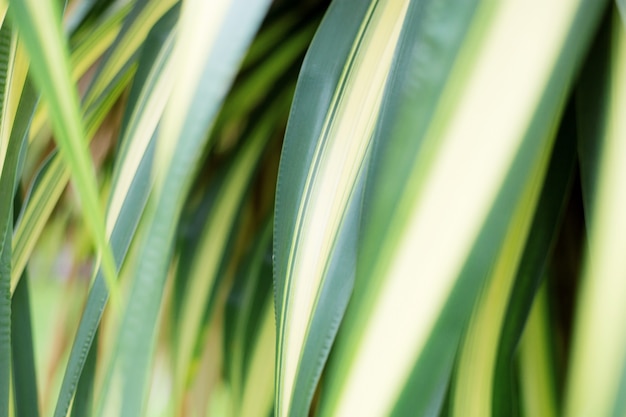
[(130, 188), (532, 266), (54, 174), (207, 55), (39, 24), (211, 248), (596, 374), (318, 193), (449, 167)]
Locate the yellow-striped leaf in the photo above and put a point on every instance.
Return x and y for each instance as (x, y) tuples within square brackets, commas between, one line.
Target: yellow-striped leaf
[(323, 161)]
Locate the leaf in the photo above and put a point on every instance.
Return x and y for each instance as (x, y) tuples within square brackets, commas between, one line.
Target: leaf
[(24, 372), (39, 24), (54, 174), (318, 194), (252, 287), (532, 266), (258, 388), (210, 252), (595, 377), (207, 55), (537, 385), (460, 135), (83, 402), (19, 116), (130, 187), (85, 53), (5, 322)]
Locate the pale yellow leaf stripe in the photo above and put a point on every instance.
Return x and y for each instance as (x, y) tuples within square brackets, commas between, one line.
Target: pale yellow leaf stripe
[(481, 139)]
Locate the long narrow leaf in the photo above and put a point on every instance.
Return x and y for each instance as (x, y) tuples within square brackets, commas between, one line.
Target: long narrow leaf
[(212, 246), (318, 195), (8, 183), (599, 352), (119, 62), (537, 384), (23, 356), (532, 266), (39, 24), (130, 187), (448, 170), (207, 56)]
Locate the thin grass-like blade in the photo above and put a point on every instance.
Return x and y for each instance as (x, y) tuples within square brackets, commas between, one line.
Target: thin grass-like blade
[(130, 186), (459, 141), (125, 48), (5, 320), (85, 52), (6, 231), (118, 67), (209, 47), (39, 25), (597, 377), (83, 402), (20, 120)]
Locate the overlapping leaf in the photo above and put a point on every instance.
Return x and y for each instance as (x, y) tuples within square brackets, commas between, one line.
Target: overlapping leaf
[(318, 197), (53, 175), (207, 55), (453, 159), (39, 24), (130, 187), (597, 375)]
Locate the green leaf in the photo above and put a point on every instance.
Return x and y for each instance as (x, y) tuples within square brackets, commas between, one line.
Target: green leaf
[(24, 372), (5, 321), (130, 188), (258, 389), (598, 357), (39, 24), (85, 53), (83, 403), (20, 120), (211, 249), (317, 200), (537, 384), (252, 287), (475, 384), (532, 266), (461, 135), (54, 173), (207, 55), (122, 53)]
